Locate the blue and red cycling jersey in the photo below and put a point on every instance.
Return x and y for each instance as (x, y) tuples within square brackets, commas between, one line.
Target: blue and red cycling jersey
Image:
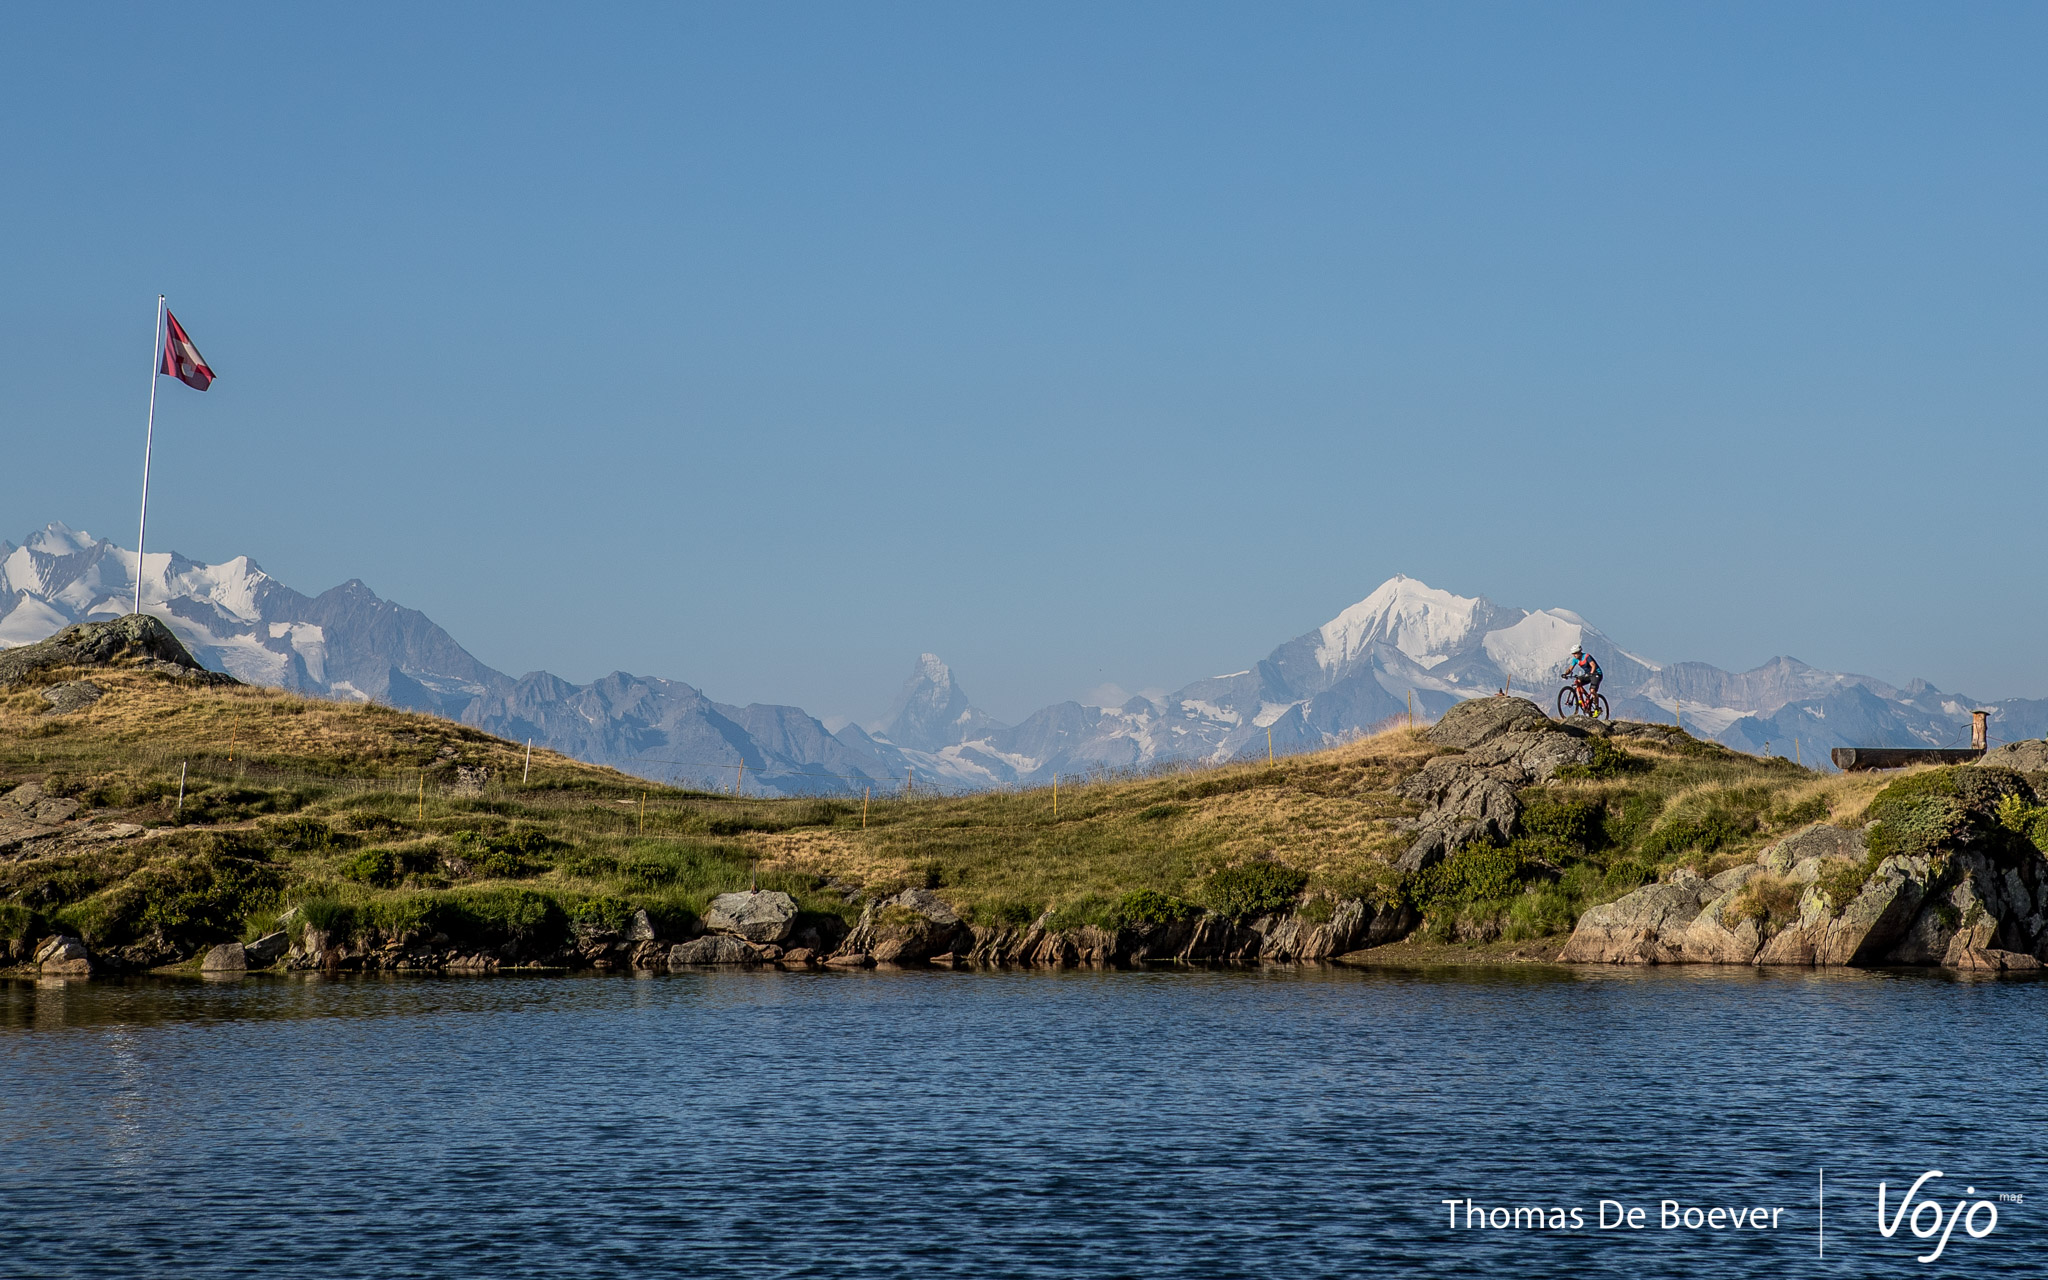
[(1583, 670)]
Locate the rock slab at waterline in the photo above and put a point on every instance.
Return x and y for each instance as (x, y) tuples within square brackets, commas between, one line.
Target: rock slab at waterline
[(1975, 897)]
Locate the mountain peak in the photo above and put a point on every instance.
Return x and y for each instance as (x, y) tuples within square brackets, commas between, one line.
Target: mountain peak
[(59, 539), (1412, 616), (930, 708)]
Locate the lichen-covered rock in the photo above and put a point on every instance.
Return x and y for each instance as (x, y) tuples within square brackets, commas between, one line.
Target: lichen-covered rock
[(72, 696), (909, 928), (1470, 723), (1816, 842), (765, 915), (1643, 927), (134, 640), (2030, 756), (712, 948), (1716, 937)]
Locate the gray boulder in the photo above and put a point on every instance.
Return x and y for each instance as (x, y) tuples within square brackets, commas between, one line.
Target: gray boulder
[(712, 948), (1473, 722), (228, 957), (266, 950), (2024, 757), (1716, 937), (1644, 927), (765, 915), (1534, 755), (640, 928), (71, 696), (64, 956), (909, 928), (135, 640), (1813, 843)]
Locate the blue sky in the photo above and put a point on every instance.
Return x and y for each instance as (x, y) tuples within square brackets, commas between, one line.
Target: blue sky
[(765, 346)]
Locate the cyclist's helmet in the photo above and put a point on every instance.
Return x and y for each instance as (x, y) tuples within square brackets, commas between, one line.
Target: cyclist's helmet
[(1578, 651)]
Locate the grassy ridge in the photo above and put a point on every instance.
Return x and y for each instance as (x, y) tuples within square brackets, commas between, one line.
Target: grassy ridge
[(356, 813)]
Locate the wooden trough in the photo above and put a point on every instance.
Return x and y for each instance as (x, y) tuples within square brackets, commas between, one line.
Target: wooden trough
[(1855, 759)]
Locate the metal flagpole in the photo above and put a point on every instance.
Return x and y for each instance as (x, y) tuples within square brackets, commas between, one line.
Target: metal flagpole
[(156, 356)]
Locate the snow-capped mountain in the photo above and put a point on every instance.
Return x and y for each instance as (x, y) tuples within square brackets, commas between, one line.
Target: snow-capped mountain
[(1405, 640), (1410, 639), (348, 643)]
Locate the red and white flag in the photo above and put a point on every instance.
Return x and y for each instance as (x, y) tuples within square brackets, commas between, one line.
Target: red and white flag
[(182, 360)]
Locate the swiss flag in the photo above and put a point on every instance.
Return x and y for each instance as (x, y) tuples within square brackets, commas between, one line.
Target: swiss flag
[(182, 360)]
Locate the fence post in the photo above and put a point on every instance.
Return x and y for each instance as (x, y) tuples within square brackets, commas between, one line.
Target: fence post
[(181, 785), (527, 772)]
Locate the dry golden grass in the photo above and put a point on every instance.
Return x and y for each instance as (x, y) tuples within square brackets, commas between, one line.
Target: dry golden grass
[(1330, 813)]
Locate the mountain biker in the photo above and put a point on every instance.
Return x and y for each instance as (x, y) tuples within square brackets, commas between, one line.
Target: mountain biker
[(1583, 672)]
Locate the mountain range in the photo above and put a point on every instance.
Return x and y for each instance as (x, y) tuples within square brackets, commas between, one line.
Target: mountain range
[(1405, 641)]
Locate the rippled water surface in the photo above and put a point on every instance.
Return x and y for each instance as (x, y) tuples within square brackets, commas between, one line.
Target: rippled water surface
[(1264, 1122)]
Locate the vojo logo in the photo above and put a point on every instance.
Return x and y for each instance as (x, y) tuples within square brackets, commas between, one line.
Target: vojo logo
[(1927, 1219)]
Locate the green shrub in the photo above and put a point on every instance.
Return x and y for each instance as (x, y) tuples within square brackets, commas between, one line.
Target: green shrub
[(1917, 816), (1160, 812), (198, 895), (518, 854), (1149, 907), (19, 923), (603, 912), (1254, 889), (1472, 874), (1770, 901), (1629, 873), (1540, 913), (1701, 831), (1841, 879), (2028, 821), (1563, 822), (378, 868)]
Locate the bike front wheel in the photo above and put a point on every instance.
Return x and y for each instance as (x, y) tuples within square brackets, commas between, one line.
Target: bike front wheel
[(1567, 704), (1601, 711)]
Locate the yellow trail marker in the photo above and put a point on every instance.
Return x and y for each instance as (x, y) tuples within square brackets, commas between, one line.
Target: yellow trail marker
[(1269, 744), (1055, 796), (865, 793), (420, 814), (643, 813)]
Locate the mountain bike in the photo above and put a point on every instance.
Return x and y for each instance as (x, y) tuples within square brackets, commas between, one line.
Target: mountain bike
[(1577, 700)]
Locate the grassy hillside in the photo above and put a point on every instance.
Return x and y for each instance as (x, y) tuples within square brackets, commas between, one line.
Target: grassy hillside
[(362, 815)]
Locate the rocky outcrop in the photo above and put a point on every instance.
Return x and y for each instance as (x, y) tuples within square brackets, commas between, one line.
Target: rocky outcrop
[(1503, 744), (136, 641), (712, 948), (909, 928), (228, 957), (64, 956), (72, 695), (1204, 938), (35, 824), (1979, 905), (764, 916), (2030, 756)]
